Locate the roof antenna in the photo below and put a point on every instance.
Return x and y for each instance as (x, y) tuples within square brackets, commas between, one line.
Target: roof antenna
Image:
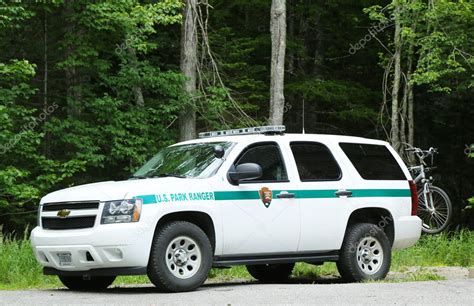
[(303, 117)]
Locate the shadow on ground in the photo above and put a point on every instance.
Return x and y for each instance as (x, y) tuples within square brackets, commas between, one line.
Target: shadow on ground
[(210, 285)]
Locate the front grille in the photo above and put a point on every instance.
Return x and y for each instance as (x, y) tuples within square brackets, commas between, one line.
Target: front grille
[(67, 223), (70, 205), (76, 215)]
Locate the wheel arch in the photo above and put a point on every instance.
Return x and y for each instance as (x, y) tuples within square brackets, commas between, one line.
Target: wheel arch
[(201, 219), (375, 215)]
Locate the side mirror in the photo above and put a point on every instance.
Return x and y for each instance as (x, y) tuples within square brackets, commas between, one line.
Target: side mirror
[(243, 172), (219, 151)]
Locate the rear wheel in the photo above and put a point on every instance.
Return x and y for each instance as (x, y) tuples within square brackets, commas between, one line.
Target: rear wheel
[(91, 283), (365, 253), (181, 257), (273, 273), (435, 217)]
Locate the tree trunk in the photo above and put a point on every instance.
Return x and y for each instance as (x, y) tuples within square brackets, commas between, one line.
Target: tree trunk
[(187, 118), (45, 61), (73, 93), (410, 99), (291, 35), (46, 147), (278, 34), (139, 100), (403, 116), (137, 89), (395, 131)]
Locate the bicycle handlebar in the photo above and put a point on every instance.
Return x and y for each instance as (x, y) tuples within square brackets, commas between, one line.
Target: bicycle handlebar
[(428, 152), (422, 154)]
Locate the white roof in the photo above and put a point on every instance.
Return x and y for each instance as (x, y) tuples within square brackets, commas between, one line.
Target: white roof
[(287, 137)]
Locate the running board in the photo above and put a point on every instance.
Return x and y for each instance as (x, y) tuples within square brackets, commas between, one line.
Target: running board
[(224, 261)]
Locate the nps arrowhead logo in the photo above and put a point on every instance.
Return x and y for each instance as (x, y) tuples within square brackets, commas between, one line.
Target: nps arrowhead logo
[(266, 196)]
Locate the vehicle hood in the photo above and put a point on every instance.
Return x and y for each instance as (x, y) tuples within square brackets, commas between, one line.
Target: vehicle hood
[(112, 190)]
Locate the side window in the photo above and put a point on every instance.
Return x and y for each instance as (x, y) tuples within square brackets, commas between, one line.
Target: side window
[(268, 156), (373, 162), (315, 162)]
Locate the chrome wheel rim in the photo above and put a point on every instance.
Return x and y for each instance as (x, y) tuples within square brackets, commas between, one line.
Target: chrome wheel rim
[(183, 257), (369, 255)]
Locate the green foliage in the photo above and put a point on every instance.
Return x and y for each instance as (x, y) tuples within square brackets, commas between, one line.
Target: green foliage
[(440, 37), (90, 124), (438, 250), (11, 13), (25, 173)]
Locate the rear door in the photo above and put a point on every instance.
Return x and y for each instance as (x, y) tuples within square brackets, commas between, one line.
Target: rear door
[(258, 215), (322, 194)]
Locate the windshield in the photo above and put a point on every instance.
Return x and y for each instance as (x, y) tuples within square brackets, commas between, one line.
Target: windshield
[(196, 160)]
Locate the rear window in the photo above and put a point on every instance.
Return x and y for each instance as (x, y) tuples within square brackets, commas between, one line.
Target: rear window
[(315, 162), (373, 162)]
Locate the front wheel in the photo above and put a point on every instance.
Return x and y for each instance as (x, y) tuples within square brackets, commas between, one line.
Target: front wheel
[(365, 253), (271, 273), (80, 283), (181, 257), (437, 215)]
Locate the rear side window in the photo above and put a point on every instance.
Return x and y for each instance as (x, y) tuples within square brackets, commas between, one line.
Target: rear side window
[(315, 162), (373, 162)]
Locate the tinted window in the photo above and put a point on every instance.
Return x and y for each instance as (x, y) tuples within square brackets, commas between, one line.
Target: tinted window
[(373, 162), (268, 156), (315, 162)]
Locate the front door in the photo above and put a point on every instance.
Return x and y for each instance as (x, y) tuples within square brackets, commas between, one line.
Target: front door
[(260, 216)]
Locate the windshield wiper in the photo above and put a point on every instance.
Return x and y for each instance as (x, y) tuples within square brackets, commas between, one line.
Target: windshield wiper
[(138, 177), (167, 174)]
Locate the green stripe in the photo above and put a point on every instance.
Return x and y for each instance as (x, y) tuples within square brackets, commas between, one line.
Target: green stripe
[(364, 193), (237, 195), (300, 194), (312, 194), (147, 199)]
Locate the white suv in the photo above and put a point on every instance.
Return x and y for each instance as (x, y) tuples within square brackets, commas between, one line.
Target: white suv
[(258, 197)]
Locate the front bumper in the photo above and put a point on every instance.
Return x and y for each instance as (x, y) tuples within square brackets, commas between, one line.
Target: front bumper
[(101, 247), (407, 232)]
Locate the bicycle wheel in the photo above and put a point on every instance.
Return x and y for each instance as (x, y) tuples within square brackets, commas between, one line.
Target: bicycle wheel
[(435, 220)]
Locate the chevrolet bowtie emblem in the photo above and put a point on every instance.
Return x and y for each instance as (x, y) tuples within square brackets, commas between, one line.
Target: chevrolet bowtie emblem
[(63, 213)]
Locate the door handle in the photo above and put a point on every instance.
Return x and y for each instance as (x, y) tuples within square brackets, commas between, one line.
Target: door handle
[(343, 193), (285, 195)]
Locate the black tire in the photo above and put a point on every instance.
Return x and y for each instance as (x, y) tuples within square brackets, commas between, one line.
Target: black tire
[(438, 221), (78, 283), (359, 260), (163, 260), (275, 273)]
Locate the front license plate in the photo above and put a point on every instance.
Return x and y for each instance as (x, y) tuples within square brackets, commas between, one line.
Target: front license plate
[(65, 259)]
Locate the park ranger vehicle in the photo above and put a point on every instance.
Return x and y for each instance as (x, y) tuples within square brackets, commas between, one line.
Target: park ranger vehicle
[(255, 196)]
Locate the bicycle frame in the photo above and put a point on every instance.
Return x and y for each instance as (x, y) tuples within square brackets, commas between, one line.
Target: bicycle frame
[(421, 178)]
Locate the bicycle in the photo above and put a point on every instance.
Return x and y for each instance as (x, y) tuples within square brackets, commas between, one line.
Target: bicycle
[(434, 205)]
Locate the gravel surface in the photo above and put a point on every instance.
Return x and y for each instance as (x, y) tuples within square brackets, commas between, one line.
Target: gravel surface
[(460, 291)]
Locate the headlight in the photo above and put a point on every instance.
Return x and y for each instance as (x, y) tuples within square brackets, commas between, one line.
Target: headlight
[(121, 211)]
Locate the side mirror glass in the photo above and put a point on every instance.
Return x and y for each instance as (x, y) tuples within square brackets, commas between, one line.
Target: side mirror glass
[(245, 172)]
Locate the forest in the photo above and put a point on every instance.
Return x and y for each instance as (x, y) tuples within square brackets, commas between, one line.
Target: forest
[(90, 90)]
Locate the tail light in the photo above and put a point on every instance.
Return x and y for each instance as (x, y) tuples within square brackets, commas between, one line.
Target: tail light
[(414, 198)]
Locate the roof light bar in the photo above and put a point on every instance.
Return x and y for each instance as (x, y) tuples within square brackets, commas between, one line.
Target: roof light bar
[(269, 129)]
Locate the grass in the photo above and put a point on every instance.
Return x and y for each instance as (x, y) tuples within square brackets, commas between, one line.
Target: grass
[(19, 269)]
